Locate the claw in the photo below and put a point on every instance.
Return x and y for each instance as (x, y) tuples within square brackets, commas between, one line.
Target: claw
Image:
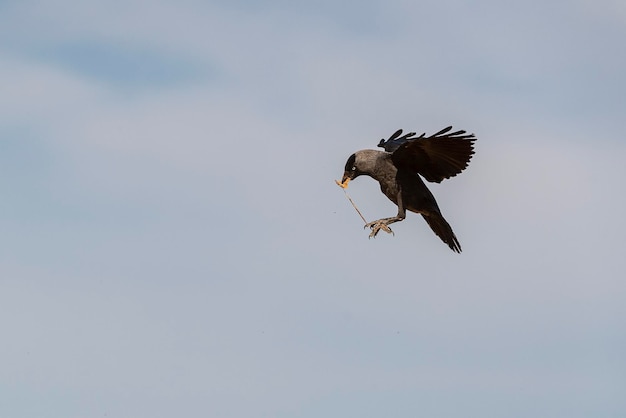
[(376, 226)]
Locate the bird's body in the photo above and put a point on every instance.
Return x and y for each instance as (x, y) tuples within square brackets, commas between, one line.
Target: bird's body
[(398, 173)]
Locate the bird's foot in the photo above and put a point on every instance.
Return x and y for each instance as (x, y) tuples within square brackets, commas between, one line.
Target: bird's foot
[(376, 226)]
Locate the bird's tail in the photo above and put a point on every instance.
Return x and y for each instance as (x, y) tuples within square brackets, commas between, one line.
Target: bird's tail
[(443, 230)]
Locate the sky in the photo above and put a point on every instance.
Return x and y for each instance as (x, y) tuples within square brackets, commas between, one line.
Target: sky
[(172, 242)]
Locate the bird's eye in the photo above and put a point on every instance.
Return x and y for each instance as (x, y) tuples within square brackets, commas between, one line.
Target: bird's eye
[(353, 168)]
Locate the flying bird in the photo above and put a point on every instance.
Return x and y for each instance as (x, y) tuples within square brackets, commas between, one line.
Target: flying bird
[(398, 169)]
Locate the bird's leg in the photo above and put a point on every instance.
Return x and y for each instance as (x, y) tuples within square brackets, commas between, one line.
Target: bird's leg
[(384, 223)]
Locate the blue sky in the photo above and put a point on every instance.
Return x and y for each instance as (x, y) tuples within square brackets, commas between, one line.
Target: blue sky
[(173, 243)]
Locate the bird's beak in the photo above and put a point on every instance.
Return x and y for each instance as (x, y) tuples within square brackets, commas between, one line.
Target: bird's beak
[(344, 182)]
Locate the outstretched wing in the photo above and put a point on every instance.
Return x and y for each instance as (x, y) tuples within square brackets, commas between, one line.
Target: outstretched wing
[(437, 157)]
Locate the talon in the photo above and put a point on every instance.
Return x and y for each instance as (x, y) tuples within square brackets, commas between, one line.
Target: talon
[(371, 224), (376, 226)]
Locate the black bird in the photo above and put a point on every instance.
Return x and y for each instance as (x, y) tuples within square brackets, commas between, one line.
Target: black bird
[(398, 169)]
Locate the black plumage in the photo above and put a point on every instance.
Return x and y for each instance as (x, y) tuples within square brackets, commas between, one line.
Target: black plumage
[(398, 170)]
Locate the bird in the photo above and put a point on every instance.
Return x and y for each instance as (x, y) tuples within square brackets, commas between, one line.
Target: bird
[(399, 170)]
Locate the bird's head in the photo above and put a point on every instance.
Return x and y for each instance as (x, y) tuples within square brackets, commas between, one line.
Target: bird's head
[(361, 162)]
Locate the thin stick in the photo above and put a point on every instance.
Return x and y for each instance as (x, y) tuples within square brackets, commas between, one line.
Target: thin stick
[(353, 205)]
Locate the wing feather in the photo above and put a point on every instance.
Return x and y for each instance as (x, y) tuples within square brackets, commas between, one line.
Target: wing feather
[(437, 157)]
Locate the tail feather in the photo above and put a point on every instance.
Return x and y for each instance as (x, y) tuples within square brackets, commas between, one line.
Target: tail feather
[(443, 230)]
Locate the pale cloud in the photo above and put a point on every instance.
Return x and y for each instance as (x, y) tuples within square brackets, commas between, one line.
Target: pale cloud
[(41, 94)]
